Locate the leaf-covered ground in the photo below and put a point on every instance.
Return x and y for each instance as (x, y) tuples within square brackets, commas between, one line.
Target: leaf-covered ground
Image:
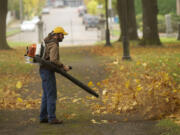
[(149, 84)]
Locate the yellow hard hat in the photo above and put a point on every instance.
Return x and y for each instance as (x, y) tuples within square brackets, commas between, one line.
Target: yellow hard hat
[(60, 30)]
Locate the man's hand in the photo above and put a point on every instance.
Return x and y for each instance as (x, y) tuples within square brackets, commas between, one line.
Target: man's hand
[(67, 68)]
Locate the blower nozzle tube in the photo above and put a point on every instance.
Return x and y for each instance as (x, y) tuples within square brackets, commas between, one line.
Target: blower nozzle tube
[(65, 74)]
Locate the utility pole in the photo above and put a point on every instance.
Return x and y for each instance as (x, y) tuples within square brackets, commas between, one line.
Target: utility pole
[(126, 54), (21, 10), (107, 26)]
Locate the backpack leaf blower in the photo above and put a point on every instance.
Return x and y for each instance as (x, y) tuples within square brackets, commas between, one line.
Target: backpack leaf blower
[(32, 56)]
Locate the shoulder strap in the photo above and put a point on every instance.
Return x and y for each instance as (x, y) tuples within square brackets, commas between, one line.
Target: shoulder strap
[(44, 49)]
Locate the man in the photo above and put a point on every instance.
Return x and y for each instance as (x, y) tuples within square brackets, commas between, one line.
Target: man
[(48, 105)]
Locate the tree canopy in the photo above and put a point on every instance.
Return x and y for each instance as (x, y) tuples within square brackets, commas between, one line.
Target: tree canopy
[(30, 7), (92, 7)]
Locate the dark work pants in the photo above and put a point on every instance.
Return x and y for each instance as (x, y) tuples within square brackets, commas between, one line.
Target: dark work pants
[(48, 105)]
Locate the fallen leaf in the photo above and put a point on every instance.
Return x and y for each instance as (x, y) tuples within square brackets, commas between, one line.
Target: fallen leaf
[(76, 100), (90, 84), (32, 119), (19, 100), (104, 92), (94, 121), (19, 85), (104, 121), (144, 64)]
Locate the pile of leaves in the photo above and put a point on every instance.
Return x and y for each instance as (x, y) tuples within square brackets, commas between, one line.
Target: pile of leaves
[(147, 84)]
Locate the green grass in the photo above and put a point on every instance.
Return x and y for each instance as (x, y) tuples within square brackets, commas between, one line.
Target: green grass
[(13, 66), (13, 32), (169, 40), (168, 127), (115, 32), (18, 44), (164, 40)]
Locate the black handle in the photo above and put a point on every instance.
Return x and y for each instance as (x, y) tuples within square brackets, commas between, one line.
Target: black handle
[(70, 67)]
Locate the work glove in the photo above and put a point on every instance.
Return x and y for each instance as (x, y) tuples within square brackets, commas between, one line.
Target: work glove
[(67, 68)]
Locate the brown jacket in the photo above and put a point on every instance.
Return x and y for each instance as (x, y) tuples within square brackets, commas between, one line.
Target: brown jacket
[(52, 53)]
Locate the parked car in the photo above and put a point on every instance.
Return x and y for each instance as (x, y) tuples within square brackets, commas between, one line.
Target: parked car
[(82, 11), (35, 20), (85, 17), (91, 22), (59, 4), (45, 11), (28, 26)]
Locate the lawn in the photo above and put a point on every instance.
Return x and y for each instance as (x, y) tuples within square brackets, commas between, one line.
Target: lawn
[(149, 83)]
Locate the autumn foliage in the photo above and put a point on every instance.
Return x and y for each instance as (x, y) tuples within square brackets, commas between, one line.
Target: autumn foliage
[(14, 77), (149, 84)]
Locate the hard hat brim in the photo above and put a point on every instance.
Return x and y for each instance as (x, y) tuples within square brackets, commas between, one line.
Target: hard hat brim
[(65, 33)]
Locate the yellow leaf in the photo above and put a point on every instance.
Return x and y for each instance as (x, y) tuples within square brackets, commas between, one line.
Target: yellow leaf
[(174, 91), (32, 119), (139, 88), (115, 62), (90, 84), (28, 106), (19, 85), (137, 81), (138, 63), (73, 114), (167, 100), (19, 100), (61, 99), (94, 121), (127, 84), (104, 121), (98, 83), (104, 92), (134, 103), (144, 64), (125, 108), (76, 100), (122, 67)]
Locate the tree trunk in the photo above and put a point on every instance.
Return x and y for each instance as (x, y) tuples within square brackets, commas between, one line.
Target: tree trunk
[(150, 27), (131, 16), (3, 14)]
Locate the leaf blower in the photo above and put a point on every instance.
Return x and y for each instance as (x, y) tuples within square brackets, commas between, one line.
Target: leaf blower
[(35, 54)]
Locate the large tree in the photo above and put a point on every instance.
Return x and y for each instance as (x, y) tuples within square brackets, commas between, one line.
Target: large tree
[(131, 17), (3, 14), (150, 27)]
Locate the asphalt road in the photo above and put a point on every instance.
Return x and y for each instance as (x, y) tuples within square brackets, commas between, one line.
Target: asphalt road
[(69, 20)]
